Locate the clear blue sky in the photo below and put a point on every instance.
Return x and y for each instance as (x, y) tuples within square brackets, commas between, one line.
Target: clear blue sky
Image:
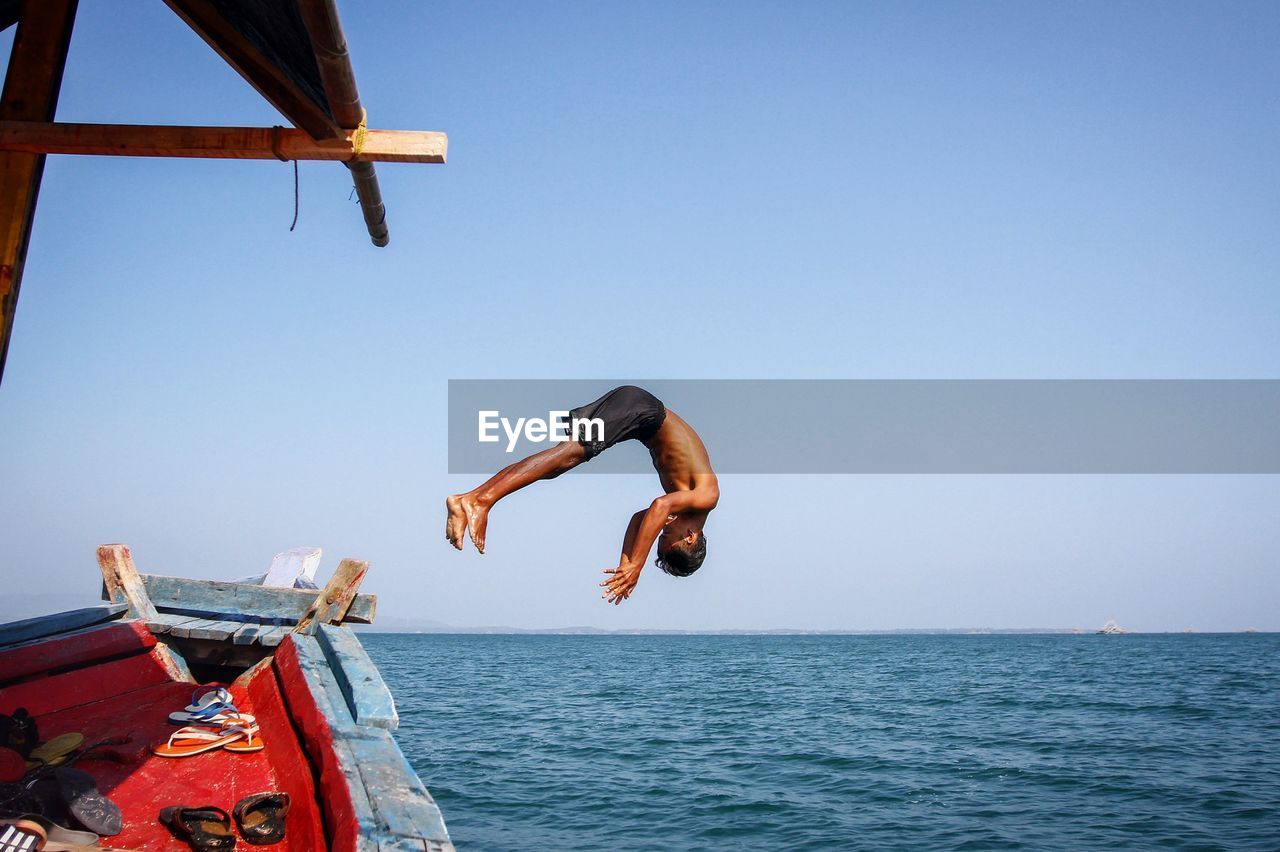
[(701, 190)]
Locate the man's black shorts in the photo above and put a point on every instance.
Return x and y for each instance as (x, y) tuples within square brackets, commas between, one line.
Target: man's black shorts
[(628, 412)]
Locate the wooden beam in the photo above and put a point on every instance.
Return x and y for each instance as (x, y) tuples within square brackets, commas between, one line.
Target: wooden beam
[(122, 581), (30, 94), (260, 72), (236, 143), (223, 601), (334, 600)]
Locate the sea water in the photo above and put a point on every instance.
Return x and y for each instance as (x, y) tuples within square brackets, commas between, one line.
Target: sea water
[(844, 742)]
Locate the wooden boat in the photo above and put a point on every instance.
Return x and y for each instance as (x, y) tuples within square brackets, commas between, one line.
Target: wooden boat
[(326, 716)]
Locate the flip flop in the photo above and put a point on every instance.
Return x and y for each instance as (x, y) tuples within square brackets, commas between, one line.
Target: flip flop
[(237, 734), (210, 707), (260, 817), (21, 835), (205, 829), (90, 808), (55, 751), (205, 695), (213, 717), (60, 837)]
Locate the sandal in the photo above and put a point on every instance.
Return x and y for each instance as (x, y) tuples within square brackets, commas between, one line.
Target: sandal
[(58, 835), (237, 734), (205, 829), (206, 708), (55, 752), (21, 835), (90, 808), (260, 817)]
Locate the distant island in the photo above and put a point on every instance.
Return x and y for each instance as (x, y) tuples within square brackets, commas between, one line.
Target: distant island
[(400, 624)]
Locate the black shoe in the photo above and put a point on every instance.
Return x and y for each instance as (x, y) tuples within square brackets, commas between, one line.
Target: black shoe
[(90, 808)]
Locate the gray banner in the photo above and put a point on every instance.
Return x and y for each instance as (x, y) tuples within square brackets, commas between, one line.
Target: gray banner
[(909, 426)]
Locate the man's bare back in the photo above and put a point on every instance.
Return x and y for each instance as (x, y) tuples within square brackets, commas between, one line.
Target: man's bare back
[(675, 520)]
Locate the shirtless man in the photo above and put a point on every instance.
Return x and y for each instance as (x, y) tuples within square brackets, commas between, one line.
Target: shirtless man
[(675, 519)]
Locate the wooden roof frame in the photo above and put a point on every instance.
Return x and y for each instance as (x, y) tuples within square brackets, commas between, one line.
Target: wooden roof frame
[(336, 130), (250, 63)]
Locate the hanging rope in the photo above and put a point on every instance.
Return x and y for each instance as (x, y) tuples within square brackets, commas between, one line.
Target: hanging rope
[(295, 197), (276, 130)]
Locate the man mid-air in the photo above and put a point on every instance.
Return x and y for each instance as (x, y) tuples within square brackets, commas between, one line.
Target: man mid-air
[(675, 519)]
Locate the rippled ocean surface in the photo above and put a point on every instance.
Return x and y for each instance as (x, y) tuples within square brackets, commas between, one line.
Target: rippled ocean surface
[(844, 742)]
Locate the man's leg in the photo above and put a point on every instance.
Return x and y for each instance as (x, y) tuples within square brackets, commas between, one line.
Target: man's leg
[(470, 511)]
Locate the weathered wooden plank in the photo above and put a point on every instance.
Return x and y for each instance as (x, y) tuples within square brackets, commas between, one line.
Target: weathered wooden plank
[(85, 685), (362, 686), (333, 604), (229, 143), (283, 751), (323, 691), (122, 581), (334, 601), (323, 720), (241, 601), (383, 801), (210, 629), (248, 634), (66, 651), (165, 623), (401, 803), (273, 636), (174, 663), (181, 628), (30, 93), (60, 622)]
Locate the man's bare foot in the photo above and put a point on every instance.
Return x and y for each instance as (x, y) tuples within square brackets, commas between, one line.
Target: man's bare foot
[(456, 521), (466, 512)]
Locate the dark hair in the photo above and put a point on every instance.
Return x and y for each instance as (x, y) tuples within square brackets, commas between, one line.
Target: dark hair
[(681, 560)]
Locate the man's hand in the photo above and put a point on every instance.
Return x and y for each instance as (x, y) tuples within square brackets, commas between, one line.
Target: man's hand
[(621, 582)]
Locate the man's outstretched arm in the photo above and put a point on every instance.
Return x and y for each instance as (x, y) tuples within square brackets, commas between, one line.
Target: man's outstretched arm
[(643, 531)]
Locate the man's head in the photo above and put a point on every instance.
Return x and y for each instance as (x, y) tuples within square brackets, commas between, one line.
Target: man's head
[(681, 548)]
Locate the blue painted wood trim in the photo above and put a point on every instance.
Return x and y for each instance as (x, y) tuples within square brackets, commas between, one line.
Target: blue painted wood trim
[(361, 683), (61, 622), (393, 807), (241, 601)]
